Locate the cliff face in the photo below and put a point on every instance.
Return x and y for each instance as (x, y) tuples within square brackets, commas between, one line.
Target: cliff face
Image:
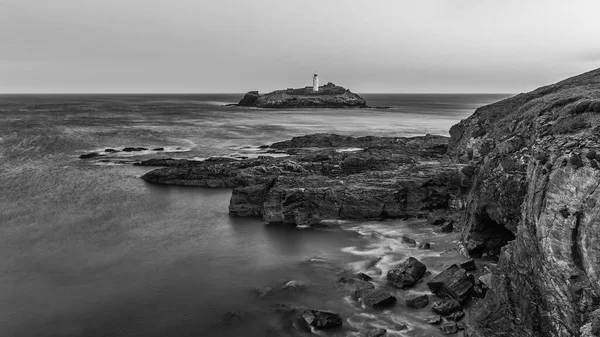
[(534, 201), (328, 96)]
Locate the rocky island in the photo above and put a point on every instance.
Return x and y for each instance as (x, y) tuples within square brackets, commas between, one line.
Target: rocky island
[(519, 178), (326, 96)]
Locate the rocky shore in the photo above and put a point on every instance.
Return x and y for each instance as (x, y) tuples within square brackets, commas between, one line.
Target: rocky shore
[(519, 178), (328, 96)]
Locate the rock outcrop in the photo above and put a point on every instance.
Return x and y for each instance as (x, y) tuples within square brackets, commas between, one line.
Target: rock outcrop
[(328, 96), (534, 204), (387, 177)]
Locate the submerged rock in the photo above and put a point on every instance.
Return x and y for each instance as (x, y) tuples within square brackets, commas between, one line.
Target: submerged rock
[(407, 273), (321, 319), (376, 333), (90, 155), (434, 320), (417, 302)]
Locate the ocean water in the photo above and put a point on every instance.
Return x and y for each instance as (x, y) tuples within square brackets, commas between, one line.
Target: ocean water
[(89, 249)]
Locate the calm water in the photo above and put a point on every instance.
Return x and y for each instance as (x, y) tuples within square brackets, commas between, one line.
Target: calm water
[(89, 249)]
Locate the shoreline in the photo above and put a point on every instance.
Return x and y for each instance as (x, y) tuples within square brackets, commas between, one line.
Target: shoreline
[(312, 164)]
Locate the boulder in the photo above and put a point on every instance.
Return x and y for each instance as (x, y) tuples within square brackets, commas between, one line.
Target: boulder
[(424, 245), (449, 328), (363, 277), (321, 319), (375, 297), (407, 273), (158, 149), (417, 302), (408, 241), (446, 307), (452, 283), (111, 150)]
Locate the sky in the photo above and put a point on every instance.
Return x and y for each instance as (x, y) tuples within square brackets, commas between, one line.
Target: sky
[(202, 46)]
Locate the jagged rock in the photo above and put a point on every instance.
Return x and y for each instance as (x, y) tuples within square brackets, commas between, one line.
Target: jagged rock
[(375, 297), (453, 283), (327, 97), (424, 245), (376, 333), (447, 227), (456, 316), (363, 277), (449, 328), (446, 307), (407, 273), (249, 99), (513, 210), (321, 319), (408, 241), (468, 265), (417, 302)]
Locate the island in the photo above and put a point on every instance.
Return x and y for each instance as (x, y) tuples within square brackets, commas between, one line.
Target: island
[(325, 96)]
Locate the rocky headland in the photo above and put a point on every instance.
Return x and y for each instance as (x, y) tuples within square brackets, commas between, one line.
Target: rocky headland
[(328, 96), (519, 178)]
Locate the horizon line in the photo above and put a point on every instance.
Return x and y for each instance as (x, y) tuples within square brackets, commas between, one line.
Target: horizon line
[(241, 93)]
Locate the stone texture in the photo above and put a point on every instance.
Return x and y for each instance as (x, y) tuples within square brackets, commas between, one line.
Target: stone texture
[(446, 307), (533, 205), (407, 273), (375, 297), (452, 283), (321, 319), (392, 177), (417, 302)]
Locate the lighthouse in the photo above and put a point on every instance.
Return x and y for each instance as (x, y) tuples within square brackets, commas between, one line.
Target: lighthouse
[(316, 82)]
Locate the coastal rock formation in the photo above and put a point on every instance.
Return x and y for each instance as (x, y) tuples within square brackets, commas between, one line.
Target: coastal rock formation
[(328, 96), (407, 273), (534, 203), (321, 319), (387, 177)]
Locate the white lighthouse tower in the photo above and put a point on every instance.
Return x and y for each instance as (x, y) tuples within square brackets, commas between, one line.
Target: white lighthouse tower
[(316, 82)]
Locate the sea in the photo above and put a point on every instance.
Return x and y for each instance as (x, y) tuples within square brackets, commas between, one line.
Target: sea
[(89, 249)]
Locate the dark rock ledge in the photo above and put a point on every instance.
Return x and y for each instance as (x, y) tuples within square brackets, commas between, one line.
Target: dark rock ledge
[(388, 178)]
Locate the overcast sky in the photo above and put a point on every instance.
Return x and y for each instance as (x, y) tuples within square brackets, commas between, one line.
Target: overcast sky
[(239, 45)]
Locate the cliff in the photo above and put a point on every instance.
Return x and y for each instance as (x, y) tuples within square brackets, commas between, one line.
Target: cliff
[(328, 96), (533, 201)]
